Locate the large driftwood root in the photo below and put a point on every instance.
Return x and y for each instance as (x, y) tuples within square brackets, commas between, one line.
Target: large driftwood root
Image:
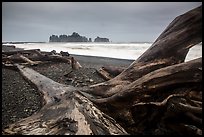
[(170, 48), (155, 75), (142, 97)]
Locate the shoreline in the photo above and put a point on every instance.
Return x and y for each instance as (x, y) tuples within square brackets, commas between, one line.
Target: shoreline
[(96, 61)]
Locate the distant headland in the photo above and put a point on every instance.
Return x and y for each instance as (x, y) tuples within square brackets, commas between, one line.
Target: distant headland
[(75, 37)]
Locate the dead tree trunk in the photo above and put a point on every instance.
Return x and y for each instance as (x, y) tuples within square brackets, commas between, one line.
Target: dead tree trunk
[(158, 92)]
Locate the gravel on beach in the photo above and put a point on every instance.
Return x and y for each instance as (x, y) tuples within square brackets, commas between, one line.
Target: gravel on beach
[(19, 99)]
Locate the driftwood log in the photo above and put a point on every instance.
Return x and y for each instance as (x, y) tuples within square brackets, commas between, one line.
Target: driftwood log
[(32, 55), (157, 94), (109, 72), (35, 56), (75, 64)]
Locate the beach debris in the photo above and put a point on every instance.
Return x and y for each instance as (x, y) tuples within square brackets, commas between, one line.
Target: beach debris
[(33, 57), (64, 53), (21, 52), (109, 72), (91, 80), (28, 60), (70, 79), (75, 64), (68, 74), (104, 74), (53, 52), (84, 84), (114, 71)]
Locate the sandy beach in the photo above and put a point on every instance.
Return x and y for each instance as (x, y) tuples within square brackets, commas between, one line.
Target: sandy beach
[(20, 99)]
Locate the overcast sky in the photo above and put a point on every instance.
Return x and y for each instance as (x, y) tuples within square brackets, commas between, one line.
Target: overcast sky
[(118, 21)]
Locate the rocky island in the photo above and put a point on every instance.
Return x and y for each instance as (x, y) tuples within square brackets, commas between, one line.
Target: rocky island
[(98, 39), (75, 37)]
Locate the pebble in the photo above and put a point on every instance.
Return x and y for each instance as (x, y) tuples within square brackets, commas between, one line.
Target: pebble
[(80, 81), (69, 79), (91, 80), (84, 84), (26, 110)]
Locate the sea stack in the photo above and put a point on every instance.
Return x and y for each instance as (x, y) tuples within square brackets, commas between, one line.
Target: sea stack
[(98, 39)]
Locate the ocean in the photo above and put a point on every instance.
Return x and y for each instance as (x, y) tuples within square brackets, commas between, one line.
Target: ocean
[(114, 50)]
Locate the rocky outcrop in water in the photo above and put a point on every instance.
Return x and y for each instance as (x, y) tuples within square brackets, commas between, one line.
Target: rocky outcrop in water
[(98, 39), (75, 37), (90, 40)]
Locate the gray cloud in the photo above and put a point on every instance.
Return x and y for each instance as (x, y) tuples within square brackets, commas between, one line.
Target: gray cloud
[(119, 21)]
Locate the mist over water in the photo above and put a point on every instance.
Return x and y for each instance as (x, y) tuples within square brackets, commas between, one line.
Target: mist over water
[(113, 50)]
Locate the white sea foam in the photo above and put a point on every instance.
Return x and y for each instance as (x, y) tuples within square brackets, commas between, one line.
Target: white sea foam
[(114, 50)]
